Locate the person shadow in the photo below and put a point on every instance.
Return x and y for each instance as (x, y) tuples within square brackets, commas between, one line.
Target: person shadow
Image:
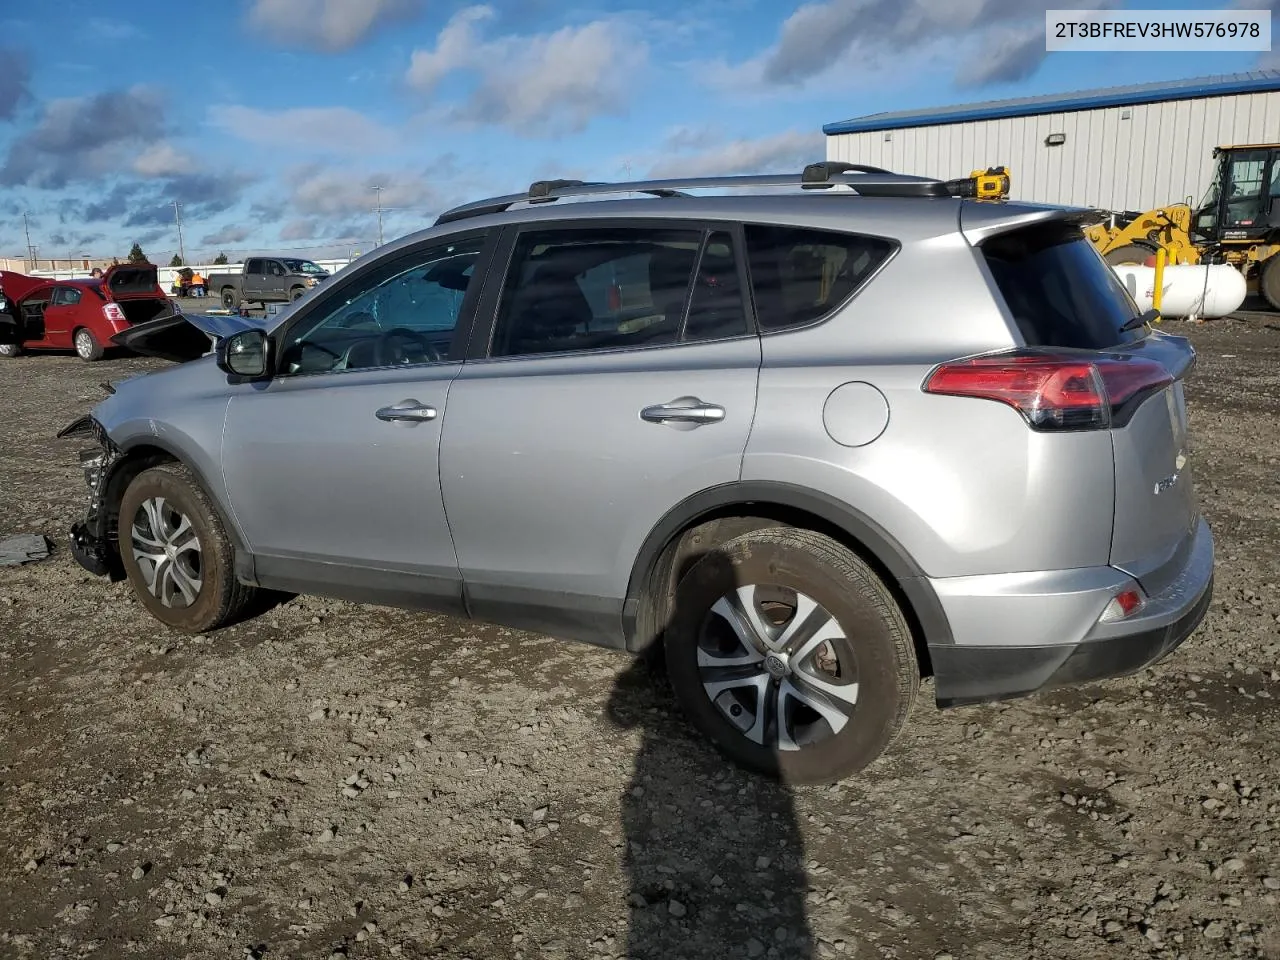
[(713, 853)]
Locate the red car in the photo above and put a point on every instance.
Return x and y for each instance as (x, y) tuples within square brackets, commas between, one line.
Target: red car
[(37, 313)]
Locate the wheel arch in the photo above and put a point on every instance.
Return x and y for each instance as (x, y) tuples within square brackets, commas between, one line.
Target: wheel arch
[(151, 451), (730, 510)]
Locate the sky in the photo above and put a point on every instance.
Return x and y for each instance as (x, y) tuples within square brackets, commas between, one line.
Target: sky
[(271, 122)]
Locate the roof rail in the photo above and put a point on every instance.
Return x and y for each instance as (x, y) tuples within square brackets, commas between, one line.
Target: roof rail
[(867, 181)]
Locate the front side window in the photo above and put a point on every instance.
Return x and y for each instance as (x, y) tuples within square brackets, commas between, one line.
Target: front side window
[(402, 313), (799, 275), (615, 288)]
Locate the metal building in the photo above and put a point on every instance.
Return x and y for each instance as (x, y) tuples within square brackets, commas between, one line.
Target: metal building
[(1120, 148)]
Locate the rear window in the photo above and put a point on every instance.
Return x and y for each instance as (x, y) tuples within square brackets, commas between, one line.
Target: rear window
[(1059, 290), (800, 275)]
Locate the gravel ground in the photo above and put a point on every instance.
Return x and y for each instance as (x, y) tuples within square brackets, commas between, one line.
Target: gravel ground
[(331, 780)]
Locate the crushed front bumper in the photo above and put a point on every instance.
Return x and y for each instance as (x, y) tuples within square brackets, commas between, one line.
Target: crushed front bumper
[(93, 540)]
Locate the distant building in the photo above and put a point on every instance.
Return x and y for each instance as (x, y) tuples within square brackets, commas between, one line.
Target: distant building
[(1119, 148), (43, 264)]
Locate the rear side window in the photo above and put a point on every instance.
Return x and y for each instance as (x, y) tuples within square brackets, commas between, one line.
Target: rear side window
[(1060, 292), (613, 288), (800, 275)]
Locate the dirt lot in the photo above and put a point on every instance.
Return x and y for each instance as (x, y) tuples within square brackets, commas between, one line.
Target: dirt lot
[(330, 780)]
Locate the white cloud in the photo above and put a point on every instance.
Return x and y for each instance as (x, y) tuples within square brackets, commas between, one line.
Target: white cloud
[(162, 159), (985, 41), (332, 192), (548, 83), (228, 234), (307, 229), (457, 48), (330, 25), (780, 153), (336, 129)]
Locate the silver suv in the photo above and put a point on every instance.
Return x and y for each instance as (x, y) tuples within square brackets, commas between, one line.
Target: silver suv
[(816, 442)]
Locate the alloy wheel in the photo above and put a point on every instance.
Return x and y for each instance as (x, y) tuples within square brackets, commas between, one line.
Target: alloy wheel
[(167, 550), (84, 344), (770, 659)]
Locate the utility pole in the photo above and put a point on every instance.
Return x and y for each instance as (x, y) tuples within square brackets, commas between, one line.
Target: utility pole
[(31, 251), (378, 190), (177, 218)]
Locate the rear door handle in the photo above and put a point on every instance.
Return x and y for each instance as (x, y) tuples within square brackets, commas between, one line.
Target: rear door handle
[(410, 411), (683, 410)]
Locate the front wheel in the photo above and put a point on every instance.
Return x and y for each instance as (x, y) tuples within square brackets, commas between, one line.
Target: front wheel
[(176, 552), (10, 349), (297, 293), (791, 655), (1269, 281), (1131, 254), (88, 348)]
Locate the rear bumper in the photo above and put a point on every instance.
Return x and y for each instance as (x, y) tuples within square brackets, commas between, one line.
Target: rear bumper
[(979, 672)]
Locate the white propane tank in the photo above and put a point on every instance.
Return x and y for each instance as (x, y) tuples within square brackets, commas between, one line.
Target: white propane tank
[(1212, 290)]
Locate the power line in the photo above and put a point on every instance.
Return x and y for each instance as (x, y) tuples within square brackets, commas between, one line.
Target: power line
[(177, 218), (31, 251)]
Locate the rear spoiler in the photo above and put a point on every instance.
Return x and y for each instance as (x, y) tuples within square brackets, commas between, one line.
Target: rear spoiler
[(982, 221)]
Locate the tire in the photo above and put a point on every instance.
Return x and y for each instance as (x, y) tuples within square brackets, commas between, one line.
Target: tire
[(196, 590), (87, 346), (864, 635), (10, 350), (230, 299), (1130, 253), (1269, 280), (297, 293)]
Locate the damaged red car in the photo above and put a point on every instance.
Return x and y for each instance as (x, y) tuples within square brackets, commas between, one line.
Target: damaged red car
[(38, 313)]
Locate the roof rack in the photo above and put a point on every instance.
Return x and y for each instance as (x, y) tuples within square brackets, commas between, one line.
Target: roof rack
[(867, 181)]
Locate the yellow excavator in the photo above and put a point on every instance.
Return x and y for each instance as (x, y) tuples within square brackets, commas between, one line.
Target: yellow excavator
[(1237, 222)]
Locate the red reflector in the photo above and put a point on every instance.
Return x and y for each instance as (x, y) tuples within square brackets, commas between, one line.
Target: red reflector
[(1129, 601), (1051, 392)]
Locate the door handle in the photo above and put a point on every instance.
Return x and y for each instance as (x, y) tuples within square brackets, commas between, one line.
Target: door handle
[(683, 410), (410, 411)]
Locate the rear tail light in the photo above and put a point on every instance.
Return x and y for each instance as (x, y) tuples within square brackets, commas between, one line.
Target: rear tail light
[(1054, 392), (1123, 605), (114, 313)]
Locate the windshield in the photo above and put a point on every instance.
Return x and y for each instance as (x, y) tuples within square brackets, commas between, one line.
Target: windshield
[(303, 266)]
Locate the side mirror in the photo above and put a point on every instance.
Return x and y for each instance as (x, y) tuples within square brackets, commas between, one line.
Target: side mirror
[(245, 354)]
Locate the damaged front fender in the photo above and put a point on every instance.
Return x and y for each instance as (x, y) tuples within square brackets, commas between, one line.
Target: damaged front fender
[(93, 540)]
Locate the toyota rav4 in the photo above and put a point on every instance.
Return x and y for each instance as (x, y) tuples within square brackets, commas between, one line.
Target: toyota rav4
[(816, 443)]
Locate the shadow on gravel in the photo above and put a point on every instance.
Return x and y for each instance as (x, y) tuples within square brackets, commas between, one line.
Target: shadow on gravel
[(714, 855)]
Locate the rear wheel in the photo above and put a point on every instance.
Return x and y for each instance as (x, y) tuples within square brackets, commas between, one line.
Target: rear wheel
[(10, 349), (176, 552), (230, 299), (790, 654), (1269, 281), (1131, 254), (87, 346)]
